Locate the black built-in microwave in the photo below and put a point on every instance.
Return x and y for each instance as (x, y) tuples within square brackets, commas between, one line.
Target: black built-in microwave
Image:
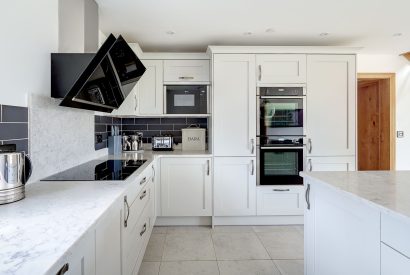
[(186, 99)]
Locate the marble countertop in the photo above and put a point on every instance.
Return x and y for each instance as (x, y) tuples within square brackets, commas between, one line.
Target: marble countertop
[(387, 190), (37, 231)]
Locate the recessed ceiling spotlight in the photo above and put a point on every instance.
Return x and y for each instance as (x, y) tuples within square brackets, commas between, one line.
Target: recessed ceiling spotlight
[(170, 32), (324, 34), (247, 33), (270, 30), (397, 34)]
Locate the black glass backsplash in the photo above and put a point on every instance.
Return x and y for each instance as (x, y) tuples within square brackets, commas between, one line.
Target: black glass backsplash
[(14, 127), (149, 126)]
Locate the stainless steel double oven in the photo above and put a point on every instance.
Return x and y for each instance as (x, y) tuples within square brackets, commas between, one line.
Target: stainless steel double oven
[(280, 134)]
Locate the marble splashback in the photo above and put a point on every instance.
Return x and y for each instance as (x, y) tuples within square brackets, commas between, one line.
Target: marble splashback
[(60, 137)]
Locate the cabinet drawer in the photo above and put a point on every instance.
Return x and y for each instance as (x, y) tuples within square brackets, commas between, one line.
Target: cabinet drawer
[(133, 240), (186, 71), (139, 184), (281, 68), (393, 263), (279, 200), (395, 233)]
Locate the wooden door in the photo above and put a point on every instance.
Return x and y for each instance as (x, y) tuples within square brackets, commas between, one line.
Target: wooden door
[(373, 125), (234, 89)]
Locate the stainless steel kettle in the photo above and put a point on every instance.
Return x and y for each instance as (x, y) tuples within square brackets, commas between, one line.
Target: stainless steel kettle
[(15, 170)]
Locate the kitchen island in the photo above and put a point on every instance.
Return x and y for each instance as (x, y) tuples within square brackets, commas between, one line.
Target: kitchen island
[(357, 223)]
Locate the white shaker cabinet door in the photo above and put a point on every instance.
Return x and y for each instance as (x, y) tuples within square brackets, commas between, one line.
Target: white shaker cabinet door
[(235, 186), (281, 69), (186, 188), (150, 89), (393, 262), (331, 110), (331, 164), (129, 106), (234, 106)]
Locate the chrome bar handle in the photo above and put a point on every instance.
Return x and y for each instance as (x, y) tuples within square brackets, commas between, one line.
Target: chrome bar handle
[(208, 167), (126, 206), (309, 145), (310, 167), (281, 190), (153, 173), (186, 77), (144, 180), (63, 269), (307, 196), (253, 167), (144, 228), (252, 145), (136, 102), (143, 194), (260, 72)]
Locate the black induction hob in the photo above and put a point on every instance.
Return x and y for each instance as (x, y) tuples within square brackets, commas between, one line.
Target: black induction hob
[(97, 170)]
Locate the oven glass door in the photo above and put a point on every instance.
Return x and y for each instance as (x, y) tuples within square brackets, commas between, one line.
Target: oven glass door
[(277, 115), (186, 99), (280, 166)]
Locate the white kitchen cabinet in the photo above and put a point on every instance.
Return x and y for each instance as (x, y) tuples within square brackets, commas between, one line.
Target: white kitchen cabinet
[(108, 242), (234, 105), (280, 200), (280, 69), (150, 89), (309, 228), (186, 187), (393, 262), (331, 164), (234, 186), (129, 106), (331, 105), (196, 71), (342, 234)]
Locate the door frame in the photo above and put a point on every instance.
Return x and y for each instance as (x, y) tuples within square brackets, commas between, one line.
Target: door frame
[(392, 94)]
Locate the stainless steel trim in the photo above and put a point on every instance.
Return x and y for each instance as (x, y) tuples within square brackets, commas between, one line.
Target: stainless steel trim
[(144, 194), (307, 196), (283, 97), (144, 180), (12, 195), (281, 147), (281, 190), (253, 167), (208, 167), (128, 211), (258, 117), (144, 228), (92, 103)]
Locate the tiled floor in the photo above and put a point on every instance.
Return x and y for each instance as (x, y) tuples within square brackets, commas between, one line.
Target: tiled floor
[(224, 250)]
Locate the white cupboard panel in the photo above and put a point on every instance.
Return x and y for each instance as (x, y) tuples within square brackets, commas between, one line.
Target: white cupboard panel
[(150, 89), (331, 164), (393, 262), (234, 106), (331, 105), (186, 71), (396, 233), (281, 68), (234, 186), (280, 200), (186, 187)]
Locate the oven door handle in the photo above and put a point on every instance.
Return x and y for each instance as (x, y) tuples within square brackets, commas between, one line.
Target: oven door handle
[(284, 147), (282, 97)]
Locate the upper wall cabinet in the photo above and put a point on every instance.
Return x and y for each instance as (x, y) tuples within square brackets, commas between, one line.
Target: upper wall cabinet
[(150, 89), (195, 71), (331, 105), (280, 69)]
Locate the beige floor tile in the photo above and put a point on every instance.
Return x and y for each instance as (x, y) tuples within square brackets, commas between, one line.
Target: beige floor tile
[(283, 245), (232, 229), (290, 267), (276, 228), (155, 248), (189, 268), (149, 268), (249, 267), (190, 246), (238, 246), (159, 230), (188, 229)]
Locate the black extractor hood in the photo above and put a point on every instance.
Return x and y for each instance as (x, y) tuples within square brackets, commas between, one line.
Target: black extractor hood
[(99, 81)]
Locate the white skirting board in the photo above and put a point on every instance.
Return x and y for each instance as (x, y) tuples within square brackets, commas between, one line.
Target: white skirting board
[(250, 220)]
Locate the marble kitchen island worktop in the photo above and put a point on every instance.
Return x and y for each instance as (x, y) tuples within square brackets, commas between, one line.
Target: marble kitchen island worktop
[(387, 190), (36, 232)]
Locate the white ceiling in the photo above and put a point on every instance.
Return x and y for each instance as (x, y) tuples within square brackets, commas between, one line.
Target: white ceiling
[(199, 23)]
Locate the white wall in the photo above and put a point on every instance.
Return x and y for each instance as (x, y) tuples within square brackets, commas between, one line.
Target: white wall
[(400, 66), (29, 31)]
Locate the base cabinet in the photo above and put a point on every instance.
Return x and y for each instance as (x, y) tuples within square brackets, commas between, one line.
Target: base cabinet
[(186, 187), (234, 186), (331, 163), (279, 200), (393, 262)]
